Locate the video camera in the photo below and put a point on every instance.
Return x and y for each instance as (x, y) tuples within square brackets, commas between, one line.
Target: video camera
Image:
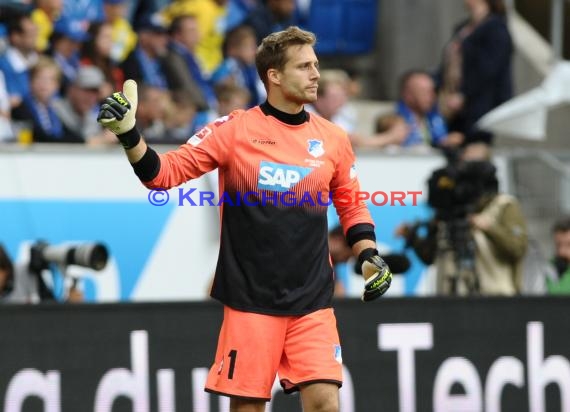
[(454, 190)]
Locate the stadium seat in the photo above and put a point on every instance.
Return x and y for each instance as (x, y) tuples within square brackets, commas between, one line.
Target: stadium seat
[(343, 26)]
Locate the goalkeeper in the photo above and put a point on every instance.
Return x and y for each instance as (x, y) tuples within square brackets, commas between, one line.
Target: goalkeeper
[(274, 274)]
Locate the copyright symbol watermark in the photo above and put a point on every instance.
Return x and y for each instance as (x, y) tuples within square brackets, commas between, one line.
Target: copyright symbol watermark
[(158, 197)]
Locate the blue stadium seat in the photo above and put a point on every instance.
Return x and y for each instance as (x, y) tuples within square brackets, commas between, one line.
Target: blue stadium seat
[(343, 26)]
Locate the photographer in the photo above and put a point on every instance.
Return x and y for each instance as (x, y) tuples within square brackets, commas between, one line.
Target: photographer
[(561, 261), (478, 237), (29, 281)]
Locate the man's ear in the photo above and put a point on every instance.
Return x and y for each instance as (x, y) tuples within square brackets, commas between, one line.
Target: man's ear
[(273, 76)]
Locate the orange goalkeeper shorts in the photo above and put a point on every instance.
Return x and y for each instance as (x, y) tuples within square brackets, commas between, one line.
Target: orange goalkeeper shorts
[(253, 348)]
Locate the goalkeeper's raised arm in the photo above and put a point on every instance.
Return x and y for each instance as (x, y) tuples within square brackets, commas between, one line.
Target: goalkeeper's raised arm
[(189, 161)]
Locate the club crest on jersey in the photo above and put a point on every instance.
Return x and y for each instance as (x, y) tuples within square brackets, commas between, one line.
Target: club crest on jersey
[(316, 148), (337, 353), (279, 177), (352, 172)]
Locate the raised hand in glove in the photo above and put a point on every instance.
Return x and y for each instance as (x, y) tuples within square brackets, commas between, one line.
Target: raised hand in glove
[(376, 272), (117, 113)]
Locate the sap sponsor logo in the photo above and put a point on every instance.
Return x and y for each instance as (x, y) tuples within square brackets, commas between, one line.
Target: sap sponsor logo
[(280, 177), (199, 136), (315, 147), (479, 393)]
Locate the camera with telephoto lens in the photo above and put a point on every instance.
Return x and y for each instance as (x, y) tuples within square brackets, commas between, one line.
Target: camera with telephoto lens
[(43, 256), (89, 255)]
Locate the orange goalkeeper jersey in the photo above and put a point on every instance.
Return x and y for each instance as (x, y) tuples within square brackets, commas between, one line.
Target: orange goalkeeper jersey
[(276, 173)]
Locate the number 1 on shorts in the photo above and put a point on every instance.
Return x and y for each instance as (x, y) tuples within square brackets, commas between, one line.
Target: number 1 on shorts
[(233, 356)]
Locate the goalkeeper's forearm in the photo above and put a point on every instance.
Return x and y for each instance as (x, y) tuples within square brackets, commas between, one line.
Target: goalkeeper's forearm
[(144, 160), (359, 246), (137, 152)]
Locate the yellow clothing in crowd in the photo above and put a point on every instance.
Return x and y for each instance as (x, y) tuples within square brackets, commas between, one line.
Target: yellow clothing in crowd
[(124, 39), (45, 28), (210, 16)]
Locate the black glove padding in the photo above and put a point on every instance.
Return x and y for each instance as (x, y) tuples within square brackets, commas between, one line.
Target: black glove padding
[(377, 274), (115, 106)]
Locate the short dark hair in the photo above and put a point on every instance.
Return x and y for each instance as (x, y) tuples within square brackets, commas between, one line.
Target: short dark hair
[(407, 75), (176, 24), (12, 18), (497, 7), (236, 36), (561, 225), (272, 53)]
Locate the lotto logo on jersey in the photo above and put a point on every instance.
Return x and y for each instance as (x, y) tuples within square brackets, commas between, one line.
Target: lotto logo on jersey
[(280, 177)]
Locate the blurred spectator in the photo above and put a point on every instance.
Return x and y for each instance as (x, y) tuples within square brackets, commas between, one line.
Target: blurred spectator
[(179, 118), (124, 38), (65, 44), (417, 106), (238, 10), (84, 11), (45, 13), (478, 237), (238, 67), (96, 51), (475, 75), (181, 66), (333, 100), (6, 274), (78, 110), (210, 15), (145, 63), (561, 234), (151, 112), (19, 57), (38, 104), (140, 9), (333, 105), (231, 97), (6, 131), (270, 16)]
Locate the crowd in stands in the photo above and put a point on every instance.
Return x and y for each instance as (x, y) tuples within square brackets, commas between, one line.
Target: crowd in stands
[(195, 60)]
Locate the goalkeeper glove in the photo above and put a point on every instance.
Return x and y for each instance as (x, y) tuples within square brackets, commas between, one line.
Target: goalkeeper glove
[(376, 272), (117, 113)]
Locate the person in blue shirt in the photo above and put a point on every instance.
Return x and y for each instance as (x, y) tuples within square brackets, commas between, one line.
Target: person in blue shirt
[(238, 66), (418, 107)]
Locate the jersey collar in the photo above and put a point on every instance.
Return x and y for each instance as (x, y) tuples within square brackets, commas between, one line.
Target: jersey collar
[(292, 119)]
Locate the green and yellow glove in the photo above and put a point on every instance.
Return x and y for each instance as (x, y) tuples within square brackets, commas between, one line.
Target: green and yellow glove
[(376, 272), (117, 113)]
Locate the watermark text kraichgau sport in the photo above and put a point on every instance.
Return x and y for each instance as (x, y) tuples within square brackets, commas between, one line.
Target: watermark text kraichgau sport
[(195, 197)]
